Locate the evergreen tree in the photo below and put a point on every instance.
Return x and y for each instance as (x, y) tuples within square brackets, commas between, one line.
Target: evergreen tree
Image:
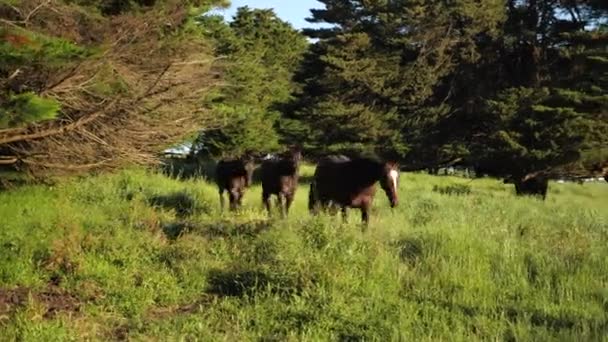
[(259, 55), (551, 117), (369, 83)]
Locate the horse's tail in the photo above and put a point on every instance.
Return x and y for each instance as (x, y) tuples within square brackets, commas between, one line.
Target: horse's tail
[(311, 197)]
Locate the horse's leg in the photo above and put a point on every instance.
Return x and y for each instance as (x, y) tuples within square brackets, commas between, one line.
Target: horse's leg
[(313, 202), (325, 205), (239, 200), (266, 201), (233, 196), (333, 208), (222, 204), (344, 217), (289, 200), (365, 215), (281, 203)]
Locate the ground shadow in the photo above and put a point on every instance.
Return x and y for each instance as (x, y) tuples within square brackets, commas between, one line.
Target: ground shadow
[(220, 229), (228, 229), (242, 282), (183, 203)]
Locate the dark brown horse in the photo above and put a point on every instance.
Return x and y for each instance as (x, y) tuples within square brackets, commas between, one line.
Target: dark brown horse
[(340, 181), (280, 177), (234, 176), (530, 185)]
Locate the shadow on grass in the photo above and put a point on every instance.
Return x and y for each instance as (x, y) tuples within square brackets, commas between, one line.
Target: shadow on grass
[(411, 250), (220, 229), (183, 204), (228, 229), (536, 317), (242, 282), (174, 230)]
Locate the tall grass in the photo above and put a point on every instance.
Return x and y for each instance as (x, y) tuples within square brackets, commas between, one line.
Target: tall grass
[(149, 257)]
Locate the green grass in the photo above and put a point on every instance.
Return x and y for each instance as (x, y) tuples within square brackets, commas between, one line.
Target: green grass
[(146, 257)]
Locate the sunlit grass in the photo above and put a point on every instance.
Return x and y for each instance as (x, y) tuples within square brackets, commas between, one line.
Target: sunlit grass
[(151, 257)]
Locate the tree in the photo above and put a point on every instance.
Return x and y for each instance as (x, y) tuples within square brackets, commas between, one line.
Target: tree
[(550, 117), (259, 54), (97, 84), (370, 82)]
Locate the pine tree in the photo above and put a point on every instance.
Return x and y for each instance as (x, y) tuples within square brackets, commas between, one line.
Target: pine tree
[(369, 83), (259, 54), (551, 118)]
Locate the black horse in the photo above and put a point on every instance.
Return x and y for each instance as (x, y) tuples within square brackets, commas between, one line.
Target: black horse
[(530, 185), (234, 176), (280, 177), (340, 181)]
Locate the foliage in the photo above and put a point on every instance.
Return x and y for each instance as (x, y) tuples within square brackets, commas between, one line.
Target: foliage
[(546, 111), (259, 53), (514, 88), (144, 257), (534, 134), (26, 108), (369, 80), (75, 94)]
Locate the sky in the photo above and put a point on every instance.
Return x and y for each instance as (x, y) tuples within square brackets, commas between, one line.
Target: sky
[(293, 11)]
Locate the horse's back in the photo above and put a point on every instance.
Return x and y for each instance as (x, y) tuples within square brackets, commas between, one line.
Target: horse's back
[(329, 177), (344, 180), (279, 175), (227, 170)]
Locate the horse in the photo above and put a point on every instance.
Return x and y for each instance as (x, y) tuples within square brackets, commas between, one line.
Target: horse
[(530, 185), (280, 177), (234, 176), (344, 182)]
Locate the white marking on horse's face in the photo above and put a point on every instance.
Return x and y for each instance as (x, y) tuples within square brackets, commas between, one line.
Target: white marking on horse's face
[(394, 176)]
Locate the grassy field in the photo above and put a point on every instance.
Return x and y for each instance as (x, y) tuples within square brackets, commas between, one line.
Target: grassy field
[(139, 256)]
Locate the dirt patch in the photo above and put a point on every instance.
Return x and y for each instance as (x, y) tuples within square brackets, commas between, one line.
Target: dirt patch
[(54, 300)]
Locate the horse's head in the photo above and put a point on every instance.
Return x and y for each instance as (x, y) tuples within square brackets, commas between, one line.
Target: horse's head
[(295, 154), (249, 164), (390, 181)]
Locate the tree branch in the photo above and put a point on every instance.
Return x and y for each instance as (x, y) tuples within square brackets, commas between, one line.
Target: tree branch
[(67, 167), (82, 121)]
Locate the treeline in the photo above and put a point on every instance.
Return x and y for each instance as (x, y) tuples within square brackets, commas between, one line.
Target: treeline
[(517, 89)]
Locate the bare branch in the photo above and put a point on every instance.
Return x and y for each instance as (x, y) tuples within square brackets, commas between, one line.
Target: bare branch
[(36, 9), (67, 167), (8, 160), (82, 121)]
